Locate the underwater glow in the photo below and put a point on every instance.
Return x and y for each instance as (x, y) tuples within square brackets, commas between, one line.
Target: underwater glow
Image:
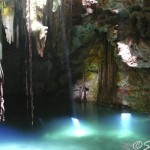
[(20, 146), (125, 134), (79, 132), (64, 134), (125, 116), (126, 120), (75, 121), (73, 129), (120, 134)]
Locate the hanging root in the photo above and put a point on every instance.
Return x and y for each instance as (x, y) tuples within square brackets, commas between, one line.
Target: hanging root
[(2, 109), (2, 118)]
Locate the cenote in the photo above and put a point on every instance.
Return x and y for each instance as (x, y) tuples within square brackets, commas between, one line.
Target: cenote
[(74, 74)]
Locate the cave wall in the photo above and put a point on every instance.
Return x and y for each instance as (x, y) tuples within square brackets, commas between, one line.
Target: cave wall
[(49, 73), (127, 26), (133, 67), (133, 87)]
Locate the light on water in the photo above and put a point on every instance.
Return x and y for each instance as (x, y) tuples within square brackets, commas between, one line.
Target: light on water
[(19, 147), (71, 129), (75, 121), (99, 133), (126, 120), (125, 116), (77, 131)]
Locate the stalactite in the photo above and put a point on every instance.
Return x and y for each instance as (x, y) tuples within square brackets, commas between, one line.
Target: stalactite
[(28, 24), (50, 15), (8, 22), (26, 70), (0, 35), (2, 109), (56, 3), (34, 15), (17, 36)]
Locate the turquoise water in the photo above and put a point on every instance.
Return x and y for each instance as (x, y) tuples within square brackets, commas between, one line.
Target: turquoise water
[(91, 128)]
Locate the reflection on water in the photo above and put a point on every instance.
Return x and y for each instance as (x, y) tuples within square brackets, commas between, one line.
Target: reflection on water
[(94, 127)]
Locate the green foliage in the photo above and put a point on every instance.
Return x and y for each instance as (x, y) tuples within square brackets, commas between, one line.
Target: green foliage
[(140, 101), (83, 35), (94, 57), (93, 85), (106, 4), (7, 9), (136, 91), (91, 67), (1, 6)]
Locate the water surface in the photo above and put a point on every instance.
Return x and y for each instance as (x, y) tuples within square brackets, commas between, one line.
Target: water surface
[(97, 128)]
